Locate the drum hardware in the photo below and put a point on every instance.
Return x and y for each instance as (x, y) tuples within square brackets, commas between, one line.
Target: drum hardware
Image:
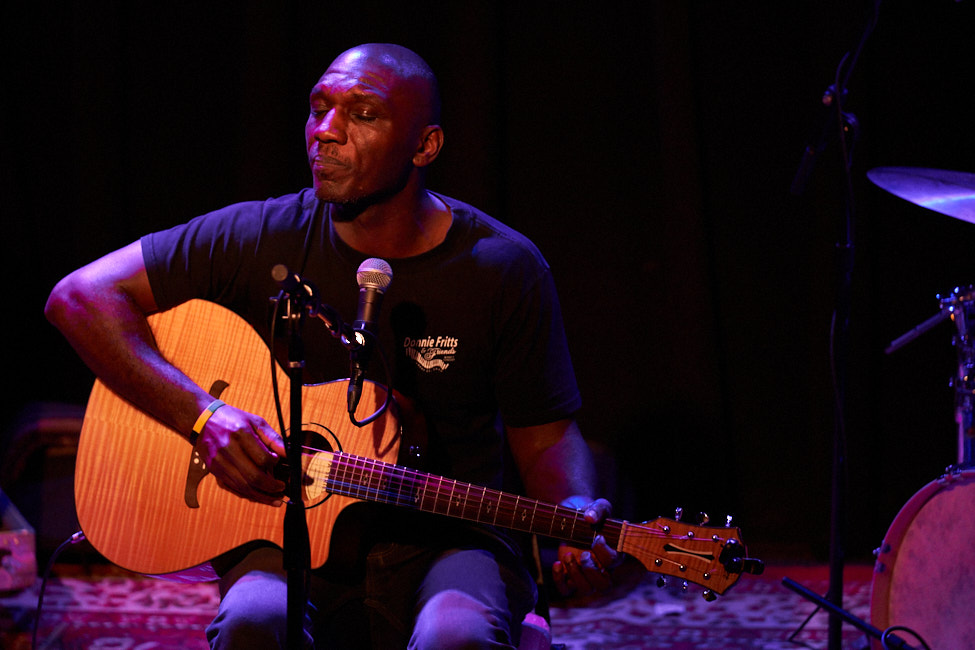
[(959, 307), (950, 193), (921, 581), (887, 637)]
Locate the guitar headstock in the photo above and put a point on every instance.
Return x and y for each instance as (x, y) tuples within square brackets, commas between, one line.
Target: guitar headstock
[(710, 556)]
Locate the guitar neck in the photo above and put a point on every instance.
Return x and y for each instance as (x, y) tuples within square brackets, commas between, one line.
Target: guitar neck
[(364, 478)]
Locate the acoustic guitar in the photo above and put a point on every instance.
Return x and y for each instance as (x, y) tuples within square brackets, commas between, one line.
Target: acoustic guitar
[(147, 503)]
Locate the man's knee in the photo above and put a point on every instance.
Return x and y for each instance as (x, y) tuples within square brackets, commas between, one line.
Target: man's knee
[(455, 620), (252, 614)]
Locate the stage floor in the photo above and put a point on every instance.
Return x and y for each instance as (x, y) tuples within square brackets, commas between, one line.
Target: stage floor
[(105, 607)]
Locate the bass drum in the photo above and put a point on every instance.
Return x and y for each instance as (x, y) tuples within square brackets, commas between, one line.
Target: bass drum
[(924, 578)]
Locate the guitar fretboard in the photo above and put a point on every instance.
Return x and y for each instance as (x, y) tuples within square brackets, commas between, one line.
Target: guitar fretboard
[(364, 478)]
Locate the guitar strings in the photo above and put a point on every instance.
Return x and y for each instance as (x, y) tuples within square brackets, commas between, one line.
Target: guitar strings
[(388, 483)]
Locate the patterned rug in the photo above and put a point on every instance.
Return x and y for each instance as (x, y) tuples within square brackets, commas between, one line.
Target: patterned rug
[(758, 612), (117, 610)]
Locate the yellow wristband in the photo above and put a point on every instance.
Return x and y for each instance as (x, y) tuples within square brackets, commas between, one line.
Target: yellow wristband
[(204, 418)]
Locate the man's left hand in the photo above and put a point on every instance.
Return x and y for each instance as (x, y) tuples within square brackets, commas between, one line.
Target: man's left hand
[(580, 571)]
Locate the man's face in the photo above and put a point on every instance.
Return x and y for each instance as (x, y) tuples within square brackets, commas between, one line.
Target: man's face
[(362, 131)]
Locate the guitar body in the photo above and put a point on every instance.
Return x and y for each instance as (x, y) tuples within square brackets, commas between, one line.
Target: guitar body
[(144, 498)]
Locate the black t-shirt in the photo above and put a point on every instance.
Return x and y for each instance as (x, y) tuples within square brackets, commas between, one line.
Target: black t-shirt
[(472, 329)]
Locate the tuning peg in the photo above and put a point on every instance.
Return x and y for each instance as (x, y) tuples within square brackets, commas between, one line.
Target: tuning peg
[(661, 582), (683, 586), (727, 521), (704, 518), (753, 566), (709, 595), (678, 513), (749, 565)]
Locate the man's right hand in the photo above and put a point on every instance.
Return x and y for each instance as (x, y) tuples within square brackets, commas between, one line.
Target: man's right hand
[(241, 451)]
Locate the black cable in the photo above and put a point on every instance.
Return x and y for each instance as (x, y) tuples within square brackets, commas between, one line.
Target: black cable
[(74, 539), (884, 638), (274, 363), (389, 380)]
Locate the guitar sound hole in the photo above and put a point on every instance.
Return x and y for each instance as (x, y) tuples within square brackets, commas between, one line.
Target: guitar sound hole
[(319, 443)]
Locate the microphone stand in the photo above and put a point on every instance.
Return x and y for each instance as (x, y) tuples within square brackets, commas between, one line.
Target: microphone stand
[(297, 552), (299, 298), (843, 124)]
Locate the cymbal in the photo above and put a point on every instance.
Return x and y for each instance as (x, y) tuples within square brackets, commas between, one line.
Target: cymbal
[(948, 192)]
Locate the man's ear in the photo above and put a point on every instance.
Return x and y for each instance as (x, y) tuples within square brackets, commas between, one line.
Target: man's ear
[(431, 142)]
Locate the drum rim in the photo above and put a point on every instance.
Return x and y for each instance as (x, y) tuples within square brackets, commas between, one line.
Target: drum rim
[(880, 587)]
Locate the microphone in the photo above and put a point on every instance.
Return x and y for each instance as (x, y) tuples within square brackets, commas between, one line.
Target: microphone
[(374, 277)]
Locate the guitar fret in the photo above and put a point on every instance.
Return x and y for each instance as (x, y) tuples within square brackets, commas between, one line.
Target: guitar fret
[(334, 482), (374, 478), (531, 521), (379, 482), (454, 503), (505, 510), (366, 486), (348, 476), (399, 490), (404, 484), (364, 482), (575, 520), (547, 518), (437, 494), (463, 506), (442, 497), (383, 481), (514, 511), (355, 470), (451, 498), (492, 508), (480, 505), (448, 497), (565, 528), (386, 474), (419, 490)]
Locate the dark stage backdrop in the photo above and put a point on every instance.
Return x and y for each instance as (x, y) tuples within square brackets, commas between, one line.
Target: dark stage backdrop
[(648, 151)]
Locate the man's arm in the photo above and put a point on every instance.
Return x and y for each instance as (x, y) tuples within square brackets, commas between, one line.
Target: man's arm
[(102, 310), (556, 466)]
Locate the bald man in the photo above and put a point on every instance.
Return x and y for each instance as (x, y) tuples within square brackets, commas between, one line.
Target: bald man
[(473, 329)]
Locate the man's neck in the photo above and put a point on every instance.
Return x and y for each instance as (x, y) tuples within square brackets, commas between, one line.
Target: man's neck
[(396, 229)]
